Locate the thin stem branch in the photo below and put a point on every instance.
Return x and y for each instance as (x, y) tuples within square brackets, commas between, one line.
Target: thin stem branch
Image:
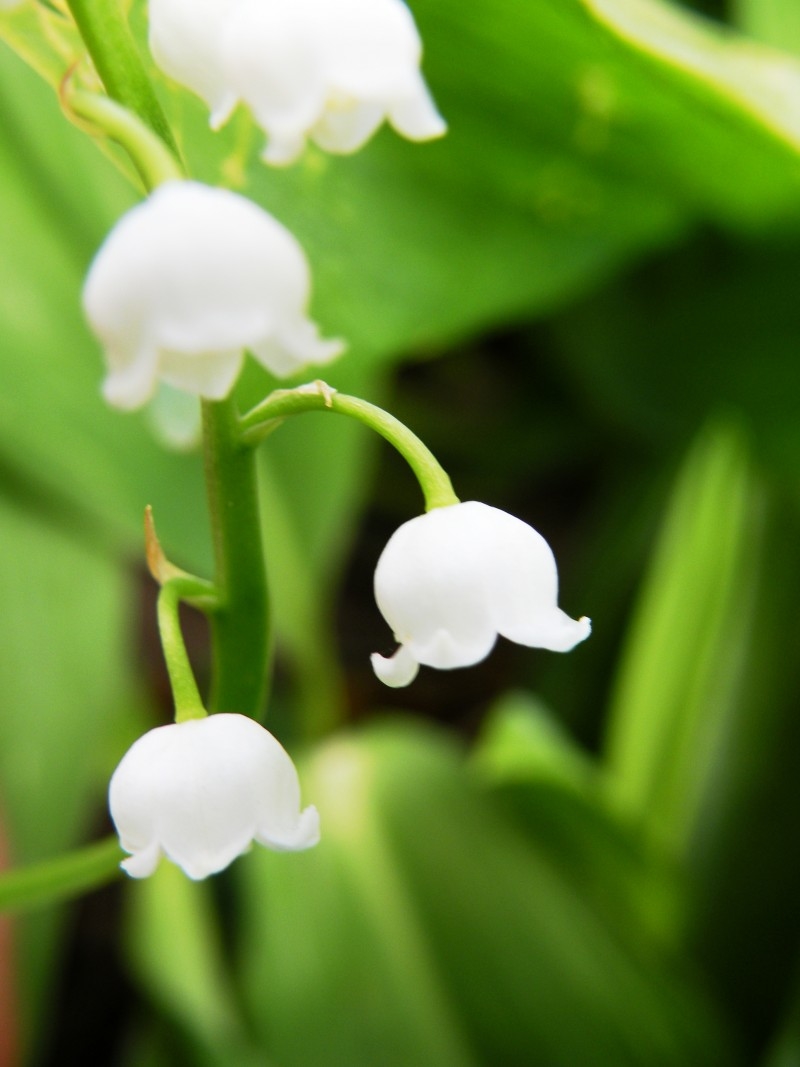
[(317, 396), (152, 158), (110, 43), (188, 702)]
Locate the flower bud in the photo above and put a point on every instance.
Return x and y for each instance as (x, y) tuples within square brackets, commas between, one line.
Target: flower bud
[(188, 280), (452, 580)]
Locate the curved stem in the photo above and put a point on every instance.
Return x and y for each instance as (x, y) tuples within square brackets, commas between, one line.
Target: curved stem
[(317, 396), (110, 43), (188, 702), (240, 623), (152, 158)]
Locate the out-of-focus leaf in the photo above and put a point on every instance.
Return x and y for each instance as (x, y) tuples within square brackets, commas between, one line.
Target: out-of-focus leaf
[(521, 741), (784, 1050), (556, 792), (78, 460), (68, 705), (44, 36), (426, 928), (759, 83), (712, 327), (676, 690), (594, 142), (61, 878), (743, 923), (174, 948), (398, 262), (775, 22)]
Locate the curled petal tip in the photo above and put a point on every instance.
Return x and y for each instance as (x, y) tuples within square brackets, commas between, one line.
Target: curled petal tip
[(142, 864), (395, 671)]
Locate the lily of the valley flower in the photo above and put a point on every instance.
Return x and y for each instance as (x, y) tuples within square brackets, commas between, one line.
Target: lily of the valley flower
[(452, 580), (189, 279), (200, 791), (328, 70)]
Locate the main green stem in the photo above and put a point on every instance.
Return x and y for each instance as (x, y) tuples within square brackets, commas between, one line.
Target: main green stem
[(240, 624), (116, 58), (240, 617)]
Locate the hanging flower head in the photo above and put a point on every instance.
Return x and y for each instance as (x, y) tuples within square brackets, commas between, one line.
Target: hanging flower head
[(452, 580), (328, 70), (185, 37), (188, 280), (201, 791)]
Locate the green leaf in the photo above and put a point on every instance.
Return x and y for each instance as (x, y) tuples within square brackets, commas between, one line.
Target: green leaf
[(60, 879), (676, 689), (556, 793), (73, 458), (760, 83), (459, 941), (69, 707), (775, 22), (174, 948)]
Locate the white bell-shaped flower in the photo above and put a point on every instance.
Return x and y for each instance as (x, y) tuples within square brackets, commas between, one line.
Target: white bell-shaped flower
[(201, 791), (185, 38), (452, 580), (328, 70), (189, 279)]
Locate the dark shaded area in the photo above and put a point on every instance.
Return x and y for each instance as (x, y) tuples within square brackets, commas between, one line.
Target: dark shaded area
[(92, 1001)]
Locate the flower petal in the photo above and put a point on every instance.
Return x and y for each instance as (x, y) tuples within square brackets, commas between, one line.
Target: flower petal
[(416, 116), (396, 671)]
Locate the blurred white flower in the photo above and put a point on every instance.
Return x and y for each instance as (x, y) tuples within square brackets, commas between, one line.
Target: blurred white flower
[(200, 791), (185, 40), (189, 279), (448, 582), (328, 70)]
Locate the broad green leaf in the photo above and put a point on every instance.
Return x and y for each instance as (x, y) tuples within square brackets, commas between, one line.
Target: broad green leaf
[(761, 83), (676, 689), (775, 22), (785, 1047), (94, 468), (556, 793), (69, 707), (456, 938), (743, 923), (725, 339), (175, 951)]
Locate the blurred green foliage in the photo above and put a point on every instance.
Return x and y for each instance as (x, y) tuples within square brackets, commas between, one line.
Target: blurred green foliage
[(584, 299)]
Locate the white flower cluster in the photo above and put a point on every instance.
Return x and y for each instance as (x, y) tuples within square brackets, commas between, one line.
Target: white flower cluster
[(194, 277), (326, 70)]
